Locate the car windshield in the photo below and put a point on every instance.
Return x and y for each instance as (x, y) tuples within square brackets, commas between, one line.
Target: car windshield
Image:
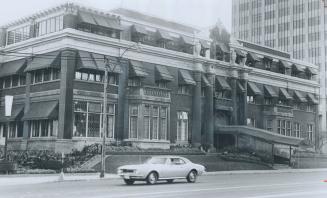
[(156, 160)]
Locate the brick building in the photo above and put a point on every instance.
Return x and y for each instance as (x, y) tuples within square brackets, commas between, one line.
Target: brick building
[(164, 88)]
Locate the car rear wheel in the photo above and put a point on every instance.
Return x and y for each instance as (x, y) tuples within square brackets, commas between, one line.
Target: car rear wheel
[(152, 178), (192, 176), (129, 181), (170, 181)]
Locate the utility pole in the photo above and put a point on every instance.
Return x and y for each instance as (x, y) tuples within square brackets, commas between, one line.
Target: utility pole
[(104, 120)]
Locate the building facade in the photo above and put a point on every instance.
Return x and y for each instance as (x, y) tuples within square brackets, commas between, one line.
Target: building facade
[(294, 26), (164, 88)]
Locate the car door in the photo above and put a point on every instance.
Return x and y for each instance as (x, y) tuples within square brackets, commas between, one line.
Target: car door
[(177, 167)]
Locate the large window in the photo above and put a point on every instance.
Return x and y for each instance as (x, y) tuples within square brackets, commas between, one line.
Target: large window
[(133, 115), (18, 35), (50, 25), (12, 81), (297, 130), (44, 75), (154, 122), (284, 127), (310, 132), (43, 128), (182, 126), (184, 89), (13, 129), (88, 119)]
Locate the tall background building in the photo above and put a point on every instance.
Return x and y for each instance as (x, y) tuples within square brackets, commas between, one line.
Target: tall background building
[(294, 26)]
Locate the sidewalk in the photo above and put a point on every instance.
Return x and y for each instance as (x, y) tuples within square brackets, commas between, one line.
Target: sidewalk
[(8, 180)]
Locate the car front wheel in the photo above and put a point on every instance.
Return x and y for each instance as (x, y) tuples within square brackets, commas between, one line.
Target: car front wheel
[(152, 178), (191, 177), (129, 181)]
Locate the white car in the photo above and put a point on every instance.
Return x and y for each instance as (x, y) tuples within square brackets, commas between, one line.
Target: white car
[(161, 168)]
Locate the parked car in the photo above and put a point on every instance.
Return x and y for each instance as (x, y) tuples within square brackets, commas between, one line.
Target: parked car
[(158, 168)]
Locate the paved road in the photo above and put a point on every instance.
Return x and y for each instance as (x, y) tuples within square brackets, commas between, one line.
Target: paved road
[(239, 185)]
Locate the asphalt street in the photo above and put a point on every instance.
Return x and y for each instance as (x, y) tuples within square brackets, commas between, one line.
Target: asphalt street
[(237, 185)]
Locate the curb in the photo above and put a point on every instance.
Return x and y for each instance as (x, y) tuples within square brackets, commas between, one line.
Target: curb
[(265, 171)]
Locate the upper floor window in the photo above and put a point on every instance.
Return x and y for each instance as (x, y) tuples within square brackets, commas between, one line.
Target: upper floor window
[(251, 99), (182, 125), (47, 26), (44, 75), (18, 35), (12, 81), (310, 132), (184, 89)]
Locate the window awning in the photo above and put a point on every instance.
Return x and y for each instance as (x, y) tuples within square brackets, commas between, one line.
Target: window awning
[(240, 87), (113, 23), (162, 73), (299, 97), (297, 68), (270, 92), (85, 61), (239, 53), (12, 67), (312, 99), (185, 78), (42, 111), (42, 61), (16, 112), (87, 18), (164, 35), (139, 29), (187, 40), (253, 57), (114, 66), (137, 69), (223, 47), (222, 83), (253, 89), (284, 64), (310, 70), (205, 81), (205, 44), (284, 94)]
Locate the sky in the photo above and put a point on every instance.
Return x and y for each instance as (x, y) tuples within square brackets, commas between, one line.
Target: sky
[(199, 13)]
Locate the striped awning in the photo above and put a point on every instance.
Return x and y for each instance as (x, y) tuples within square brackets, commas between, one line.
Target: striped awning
[(240, 87), (299, 97), (12, 67), (185, 78), (253, 89), (310, 70), (187, 40), (205, 81), (205, 44), (222, 83), (222, 47), (162, 73), (86, 18), (164, 35), (270, 92), (252, 56), (239, 53), (284, 64), (312, 99), (85, 60), (16, 112), (102, 61), (297, 68), (137, 69), (139, 29), (42, 61), (42, 111), (283, 93)]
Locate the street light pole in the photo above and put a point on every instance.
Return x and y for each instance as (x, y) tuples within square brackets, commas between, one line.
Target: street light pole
[(104, 121)]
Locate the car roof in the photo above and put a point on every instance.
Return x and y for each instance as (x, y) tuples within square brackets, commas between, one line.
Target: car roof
[(170, 156)]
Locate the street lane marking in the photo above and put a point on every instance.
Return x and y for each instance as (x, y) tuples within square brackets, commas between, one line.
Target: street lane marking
[(205, 189)]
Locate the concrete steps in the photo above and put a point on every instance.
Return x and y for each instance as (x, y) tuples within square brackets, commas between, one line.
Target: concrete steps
[(91, 162)]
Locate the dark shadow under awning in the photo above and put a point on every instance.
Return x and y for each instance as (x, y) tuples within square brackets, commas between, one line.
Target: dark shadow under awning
[(139, 29), (240, 53), (222, 83), (185, 78), (16, 112), (253, 90), (270, 92), (162, 73), (86, 18), (164, 35), (12, 67), (297, 68), (42, 61), (284, 64), (137, 69), (113, 63), (86, 61), (240, 87), (284, 94), (187, 40), (42, 111), (299, 97), (205, 81), (223, 47), (253, 57), (312, 99)]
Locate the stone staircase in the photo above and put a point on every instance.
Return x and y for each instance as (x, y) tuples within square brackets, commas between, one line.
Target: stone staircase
[(91, 162)]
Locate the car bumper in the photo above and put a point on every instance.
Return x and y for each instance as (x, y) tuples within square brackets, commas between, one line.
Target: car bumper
[(131, 176)]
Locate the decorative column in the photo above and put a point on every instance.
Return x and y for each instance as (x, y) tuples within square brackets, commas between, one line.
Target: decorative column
[(243, 102), (65, 128), (233, 82), (196, 110), (209, 110)]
